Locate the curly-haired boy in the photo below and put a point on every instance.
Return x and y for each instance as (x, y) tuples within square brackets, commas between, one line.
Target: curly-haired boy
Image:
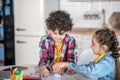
[(57, 46)]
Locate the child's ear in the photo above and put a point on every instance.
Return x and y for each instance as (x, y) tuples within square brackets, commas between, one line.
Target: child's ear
[(105, 48)]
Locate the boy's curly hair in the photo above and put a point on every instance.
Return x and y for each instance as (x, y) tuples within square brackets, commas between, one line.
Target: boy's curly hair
[(59, 20)]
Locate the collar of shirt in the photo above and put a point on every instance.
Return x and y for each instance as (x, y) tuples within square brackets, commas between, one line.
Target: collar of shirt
[(101, 56)]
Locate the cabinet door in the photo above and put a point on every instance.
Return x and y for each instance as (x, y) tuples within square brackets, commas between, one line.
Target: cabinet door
[(28, 15), (27, 50)]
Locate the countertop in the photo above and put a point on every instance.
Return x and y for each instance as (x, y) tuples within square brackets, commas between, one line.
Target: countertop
[(89, 31), (32, 72)]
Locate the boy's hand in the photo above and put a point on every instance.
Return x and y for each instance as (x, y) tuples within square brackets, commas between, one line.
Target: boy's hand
[(60, 67), (44, 72)]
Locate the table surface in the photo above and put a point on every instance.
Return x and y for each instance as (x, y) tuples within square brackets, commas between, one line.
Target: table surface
[(33, 72)]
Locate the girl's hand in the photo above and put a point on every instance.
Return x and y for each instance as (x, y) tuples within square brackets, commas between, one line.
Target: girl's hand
[(70, 72), (44, 72), (60, 67)]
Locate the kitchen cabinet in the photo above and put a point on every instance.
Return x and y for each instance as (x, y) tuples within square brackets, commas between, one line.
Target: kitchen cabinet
[(90, 15), (29, 17), (27, 50)]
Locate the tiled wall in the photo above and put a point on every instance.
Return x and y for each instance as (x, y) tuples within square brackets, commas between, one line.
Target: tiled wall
[(79, 9)]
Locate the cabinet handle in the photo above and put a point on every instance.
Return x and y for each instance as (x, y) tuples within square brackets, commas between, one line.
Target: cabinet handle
[(21, 29), (21, 42)]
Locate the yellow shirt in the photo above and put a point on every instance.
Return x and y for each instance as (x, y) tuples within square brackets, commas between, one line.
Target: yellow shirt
[(59, 53), (99, 57)]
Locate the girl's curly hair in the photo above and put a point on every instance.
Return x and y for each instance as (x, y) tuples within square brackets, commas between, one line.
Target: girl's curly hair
[(109, 38), (59, 20)]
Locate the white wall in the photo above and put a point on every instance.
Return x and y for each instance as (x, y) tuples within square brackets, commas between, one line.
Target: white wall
[(50, 5)]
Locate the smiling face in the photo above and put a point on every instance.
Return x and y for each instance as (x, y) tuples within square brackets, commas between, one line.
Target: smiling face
[(57, 36)]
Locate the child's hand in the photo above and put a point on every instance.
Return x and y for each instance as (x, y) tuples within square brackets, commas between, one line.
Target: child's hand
[(60, 71), (60, 67), (44, 72), (70, 72)]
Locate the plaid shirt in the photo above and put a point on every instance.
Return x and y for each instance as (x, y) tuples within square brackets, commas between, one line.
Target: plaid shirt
[(48, 50)]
